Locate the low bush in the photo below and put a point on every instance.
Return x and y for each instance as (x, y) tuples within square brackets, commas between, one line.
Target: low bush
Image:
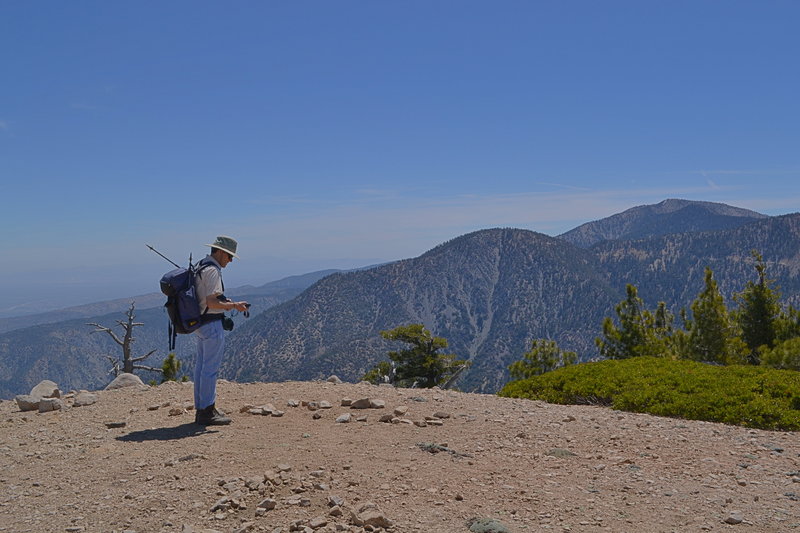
[(748, 396)]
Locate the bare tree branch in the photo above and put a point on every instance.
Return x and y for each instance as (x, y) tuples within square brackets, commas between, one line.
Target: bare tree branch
[(150, 368), (107, 330), (143, 357), (128, 361)]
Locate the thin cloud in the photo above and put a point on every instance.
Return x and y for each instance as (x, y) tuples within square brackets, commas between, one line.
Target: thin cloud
[(404, 226)]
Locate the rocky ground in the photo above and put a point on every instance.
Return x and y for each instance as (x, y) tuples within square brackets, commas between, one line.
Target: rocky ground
[(440, 462)]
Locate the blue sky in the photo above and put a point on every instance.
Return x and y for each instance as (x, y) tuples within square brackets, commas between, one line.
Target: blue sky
[(336, 134)]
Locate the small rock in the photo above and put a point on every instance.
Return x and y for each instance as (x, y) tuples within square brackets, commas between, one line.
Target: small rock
[(734, 519), (325, 404), (441, 415), (363, 403), (292, 403), (112, 425), (318, 522), (560, 452), (334, 379), (400, 410), (267, 504), (487, 525), (344, 419)]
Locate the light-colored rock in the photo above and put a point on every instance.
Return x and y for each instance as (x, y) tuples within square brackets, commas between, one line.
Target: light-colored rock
[(334, 379), (126, 380), (84, 398), (368, 514), (46, 389), (318, 522), (26, 402), (344, 419), (734, 518), (487, 525), (363, 403), (47, 405)]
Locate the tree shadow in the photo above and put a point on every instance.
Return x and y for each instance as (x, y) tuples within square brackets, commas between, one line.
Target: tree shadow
[(170, 433)]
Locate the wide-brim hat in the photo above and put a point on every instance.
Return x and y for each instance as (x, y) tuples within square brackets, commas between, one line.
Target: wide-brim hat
[(226, 244)]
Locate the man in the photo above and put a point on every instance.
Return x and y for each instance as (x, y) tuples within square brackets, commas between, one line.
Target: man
[(210, 336)]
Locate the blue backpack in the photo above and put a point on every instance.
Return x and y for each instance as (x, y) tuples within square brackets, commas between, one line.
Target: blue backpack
[(179, 286)]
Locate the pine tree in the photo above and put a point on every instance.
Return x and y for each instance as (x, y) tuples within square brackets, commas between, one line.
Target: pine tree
[(170, 368), (640, 332), (421, 365), (544, 356), (713, 335), (758, 312)]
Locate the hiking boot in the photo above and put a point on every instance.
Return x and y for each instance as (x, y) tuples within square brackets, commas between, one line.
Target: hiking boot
[(210, 416)]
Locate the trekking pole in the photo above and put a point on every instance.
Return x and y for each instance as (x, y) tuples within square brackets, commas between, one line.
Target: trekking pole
[(165, 257)]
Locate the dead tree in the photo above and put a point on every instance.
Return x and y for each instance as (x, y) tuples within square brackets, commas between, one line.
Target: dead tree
[(129, 363)]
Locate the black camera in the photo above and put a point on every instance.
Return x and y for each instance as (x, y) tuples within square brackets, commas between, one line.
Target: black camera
[(227, 323)]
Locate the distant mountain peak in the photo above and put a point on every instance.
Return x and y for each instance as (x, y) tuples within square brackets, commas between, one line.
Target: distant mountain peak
[(672, 215)]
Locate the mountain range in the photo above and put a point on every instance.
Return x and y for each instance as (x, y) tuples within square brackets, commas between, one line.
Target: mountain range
[(489, 293)]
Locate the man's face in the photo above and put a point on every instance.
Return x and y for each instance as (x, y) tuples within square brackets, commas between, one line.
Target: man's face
[(223, 258)]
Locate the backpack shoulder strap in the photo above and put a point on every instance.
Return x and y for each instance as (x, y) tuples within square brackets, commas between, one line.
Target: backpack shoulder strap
[(205, 263)]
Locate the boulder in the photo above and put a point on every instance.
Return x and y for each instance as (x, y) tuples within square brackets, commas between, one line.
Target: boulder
[(126, 380), (50, 404), (26, 402), (46, 389)]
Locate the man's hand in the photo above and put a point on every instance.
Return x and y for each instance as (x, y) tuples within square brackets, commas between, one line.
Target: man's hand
[(241, 306)]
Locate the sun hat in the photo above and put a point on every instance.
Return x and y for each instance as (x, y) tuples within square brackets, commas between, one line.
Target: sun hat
[(226, 244)]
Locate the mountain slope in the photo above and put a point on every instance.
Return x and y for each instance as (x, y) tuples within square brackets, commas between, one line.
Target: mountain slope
[(671, 268), (69, 352), (489, 293), (669, 216)]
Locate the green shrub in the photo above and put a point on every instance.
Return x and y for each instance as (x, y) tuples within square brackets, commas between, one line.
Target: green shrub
[(748, 396)]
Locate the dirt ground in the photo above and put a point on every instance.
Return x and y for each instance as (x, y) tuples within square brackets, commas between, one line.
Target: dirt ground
[(519, 465)]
